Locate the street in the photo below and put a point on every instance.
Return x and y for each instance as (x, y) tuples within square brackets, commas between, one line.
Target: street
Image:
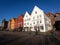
[(24, 38)]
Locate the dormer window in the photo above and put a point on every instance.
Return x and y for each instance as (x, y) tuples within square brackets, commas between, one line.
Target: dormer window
[(35, 12)]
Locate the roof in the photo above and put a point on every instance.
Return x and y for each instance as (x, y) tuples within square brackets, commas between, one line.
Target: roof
[(57, 13), (21, 15), (29, 13), (49, 13)]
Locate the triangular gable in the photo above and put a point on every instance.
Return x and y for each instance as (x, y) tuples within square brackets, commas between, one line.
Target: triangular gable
[(26, 14), (36, 9)]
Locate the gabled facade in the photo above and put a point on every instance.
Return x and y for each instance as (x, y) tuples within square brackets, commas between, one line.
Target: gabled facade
[(9, 25), (57, 16), (52, 17), (12, 24), (16, 24), (39, 19), (20, 21), (27, 21), (4, 24)]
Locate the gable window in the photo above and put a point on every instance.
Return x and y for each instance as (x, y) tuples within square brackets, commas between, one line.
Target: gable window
[(26, 15), (35, 12)]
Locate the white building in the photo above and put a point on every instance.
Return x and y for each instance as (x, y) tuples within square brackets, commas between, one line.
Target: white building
[(40, 19), (37, 20), (27, 23)]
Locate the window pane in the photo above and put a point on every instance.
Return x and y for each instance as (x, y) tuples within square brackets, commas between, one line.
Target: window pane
[(37, 22), (42, 27), (40, 21), (33, 22), (33, 17), (35, 12)]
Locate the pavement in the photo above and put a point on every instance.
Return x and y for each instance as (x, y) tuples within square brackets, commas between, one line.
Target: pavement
[(26, 38)]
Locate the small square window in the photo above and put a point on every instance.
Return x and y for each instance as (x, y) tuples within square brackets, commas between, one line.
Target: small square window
[(26, 16), (37, 22), (27, 23), (33, 22), (40, 15), (29, 18), (35, 12), (37, 16), (33, 17), (41, 27)]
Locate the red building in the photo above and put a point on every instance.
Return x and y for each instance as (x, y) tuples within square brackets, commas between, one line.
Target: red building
[(20, 21), (16, 23)]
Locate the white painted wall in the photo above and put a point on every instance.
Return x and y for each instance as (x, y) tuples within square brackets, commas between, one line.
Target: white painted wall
[(48, 24), (27, 20), (39, 16)]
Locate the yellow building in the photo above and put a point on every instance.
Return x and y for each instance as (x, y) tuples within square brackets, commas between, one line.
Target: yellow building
[(12, 24)]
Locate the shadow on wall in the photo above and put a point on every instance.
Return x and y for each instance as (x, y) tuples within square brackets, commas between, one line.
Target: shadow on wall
[(57, 25)]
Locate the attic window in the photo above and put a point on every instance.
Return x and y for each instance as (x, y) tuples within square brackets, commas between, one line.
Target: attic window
[(26, 16), (35, 12)]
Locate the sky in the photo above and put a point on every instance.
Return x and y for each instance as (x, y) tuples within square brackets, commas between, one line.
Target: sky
[(13, 8)]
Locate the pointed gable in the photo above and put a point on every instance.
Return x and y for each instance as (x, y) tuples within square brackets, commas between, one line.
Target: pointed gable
[(36, 11), (26, 15)]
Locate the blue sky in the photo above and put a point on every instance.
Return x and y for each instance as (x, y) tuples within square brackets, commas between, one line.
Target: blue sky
[(12, 8)]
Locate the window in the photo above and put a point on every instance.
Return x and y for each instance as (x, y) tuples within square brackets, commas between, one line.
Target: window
[(33, 17), (35, 12), (25, 20), (33, 22), (29, 18), (42, 27), (27, 23), (37, 16), (26, 15), (40, 15), (30, 24), (40, 21), (37, 22)]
